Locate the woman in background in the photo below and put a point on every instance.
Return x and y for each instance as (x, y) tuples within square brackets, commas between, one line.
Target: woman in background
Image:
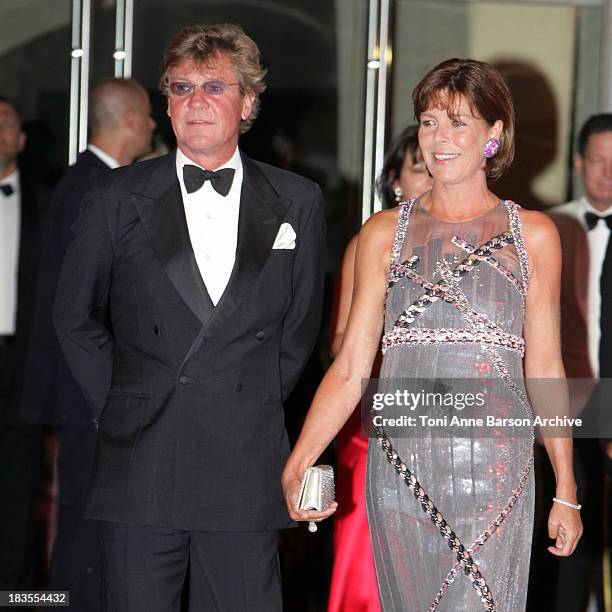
[(353, 584)]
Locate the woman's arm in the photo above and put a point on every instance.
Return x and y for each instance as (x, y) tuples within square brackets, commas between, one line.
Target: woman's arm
[(342, 307), (543, 363), (341, 388)]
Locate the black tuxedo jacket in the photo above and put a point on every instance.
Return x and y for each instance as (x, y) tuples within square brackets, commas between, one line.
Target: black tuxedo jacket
[(51, 394), (189, 396), (31, 199), (596, 413)]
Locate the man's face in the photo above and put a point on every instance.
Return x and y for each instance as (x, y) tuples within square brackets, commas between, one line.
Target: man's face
[(595, 168), (142, 125), (12, 139), (207, 126)]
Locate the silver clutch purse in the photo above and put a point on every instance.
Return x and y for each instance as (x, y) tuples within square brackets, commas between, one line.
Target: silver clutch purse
[(317, 490)]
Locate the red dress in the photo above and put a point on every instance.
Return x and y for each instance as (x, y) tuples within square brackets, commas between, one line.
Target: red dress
[(353, 584)]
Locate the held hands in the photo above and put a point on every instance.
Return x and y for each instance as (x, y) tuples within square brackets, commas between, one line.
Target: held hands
[(565, 527), (291, 488)]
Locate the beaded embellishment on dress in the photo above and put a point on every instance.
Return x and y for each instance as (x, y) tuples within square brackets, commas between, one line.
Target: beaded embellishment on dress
[(455, 291)]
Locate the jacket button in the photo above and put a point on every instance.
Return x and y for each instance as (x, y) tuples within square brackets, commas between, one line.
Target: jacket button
[(156, 330), (185, 380), (238, 387), (260, 335)]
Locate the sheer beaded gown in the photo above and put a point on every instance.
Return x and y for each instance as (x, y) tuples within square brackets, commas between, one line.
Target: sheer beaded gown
[(451, 517)]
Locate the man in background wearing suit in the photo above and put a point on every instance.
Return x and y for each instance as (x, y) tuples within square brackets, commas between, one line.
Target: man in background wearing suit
[(187, 306), (586, 315), (20, 443), (120, 130)]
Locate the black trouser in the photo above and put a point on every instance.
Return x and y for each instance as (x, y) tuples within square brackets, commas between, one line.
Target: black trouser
[(145, 568), (76, 563), (564, 584), (20, 457), (581, 573)]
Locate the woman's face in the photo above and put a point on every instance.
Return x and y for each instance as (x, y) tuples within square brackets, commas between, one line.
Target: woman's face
[(453, 147), (414, 179)]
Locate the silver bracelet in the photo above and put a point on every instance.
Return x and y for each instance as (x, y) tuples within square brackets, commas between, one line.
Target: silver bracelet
[(566, 503)]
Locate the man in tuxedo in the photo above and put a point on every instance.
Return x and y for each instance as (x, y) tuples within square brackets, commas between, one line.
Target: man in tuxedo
[(120, 130), (20, 443), (586, 303), (187, 306)]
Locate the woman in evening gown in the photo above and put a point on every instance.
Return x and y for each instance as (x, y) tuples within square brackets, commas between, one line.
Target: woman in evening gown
[(353, 585), (461, 285)]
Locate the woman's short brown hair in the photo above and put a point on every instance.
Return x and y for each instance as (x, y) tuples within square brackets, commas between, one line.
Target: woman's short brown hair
[(201, 43), (487, 93)]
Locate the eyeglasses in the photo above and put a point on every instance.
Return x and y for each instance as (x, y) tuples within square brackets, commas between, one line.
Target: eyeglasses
[(213, 88)]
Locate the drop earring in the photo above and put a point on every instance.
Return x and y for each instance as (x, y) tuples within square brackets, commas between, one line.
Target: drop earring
[(491, 148), (398, 194)]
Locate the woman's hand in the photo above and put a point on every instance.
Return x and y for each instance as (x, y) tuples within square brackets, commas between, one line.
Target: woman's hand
[(565, 527), (291, 487), (341, 387)]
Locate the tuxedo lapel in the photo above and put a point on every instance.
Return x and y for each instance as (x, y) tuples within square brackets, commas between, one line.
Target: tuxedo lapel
[(160, 206), (29, 237), (261, 214), (29, 215)]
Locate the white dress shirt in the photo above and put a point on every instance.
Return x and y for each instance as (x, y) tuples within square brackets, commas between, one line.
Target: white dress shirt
[(212, 221), (598, 243), (10, 227), (111, 162)]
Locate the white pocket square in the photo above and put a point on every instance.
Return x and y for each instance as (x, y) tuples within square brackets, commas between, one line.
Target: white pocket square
[(285, 239)]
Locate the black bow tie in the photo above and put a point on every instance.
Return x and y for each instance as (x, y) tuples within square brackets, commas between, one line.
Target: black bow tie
[(592, 220), (7, 189), (195, 177)]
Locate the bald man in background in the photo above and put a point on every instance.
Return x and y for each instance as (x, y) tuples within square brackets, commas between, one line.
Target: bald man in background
[(121, 130)]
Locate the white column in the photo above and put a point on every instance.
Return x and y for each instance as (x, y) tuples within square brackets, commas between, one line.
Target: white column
[(377, 65), (124, 25), (79, 77)]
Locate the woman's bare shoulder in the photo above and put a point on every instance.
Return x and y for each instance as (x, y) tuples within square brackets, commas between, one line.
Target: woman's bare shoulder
[(539, 229), (376, 239), (380, 227)]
